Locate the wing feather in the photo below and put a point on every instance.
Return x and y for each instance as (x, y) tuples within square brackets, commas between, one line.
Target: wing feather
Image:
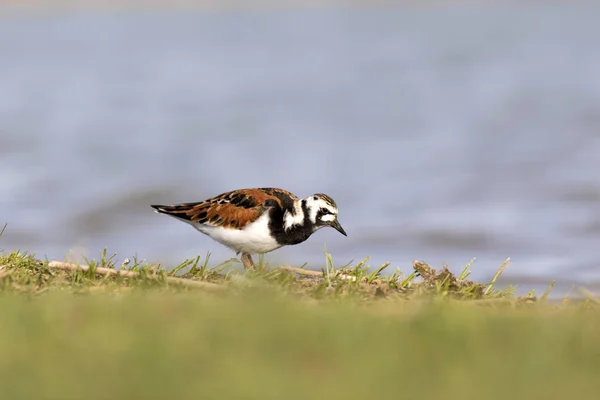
[(235, 209)]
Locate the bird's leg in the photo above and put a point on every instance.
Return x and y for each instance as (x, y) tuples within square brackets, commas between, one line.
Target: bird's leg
[(247, 261)]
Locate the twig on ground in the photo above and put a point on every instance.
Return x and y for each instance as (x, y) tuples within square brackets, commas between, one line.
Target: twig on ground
[(308, 272), (132, 274), (300, 271)]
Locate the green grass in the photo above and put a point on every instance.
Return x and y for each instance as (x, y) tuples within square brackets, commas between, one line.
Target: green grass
[(273, 334)]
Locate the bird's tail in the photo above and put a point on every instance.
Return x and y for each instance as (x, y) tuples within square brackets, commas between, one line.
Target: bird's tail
[(162, 209), (179, 211), (174, 210)]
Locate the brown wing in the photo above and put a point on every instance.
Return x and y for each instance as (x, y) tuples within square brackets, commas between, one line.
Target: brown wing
[(234, 209)]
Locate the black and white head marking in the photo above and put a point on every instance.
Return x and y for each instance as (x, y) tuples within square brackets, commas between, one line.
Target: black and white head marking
[(320, 211), (313, 213)]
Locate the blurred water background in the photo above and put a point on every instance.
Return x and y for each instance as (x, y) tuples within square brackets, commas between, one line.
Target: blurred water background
[(444, 131)]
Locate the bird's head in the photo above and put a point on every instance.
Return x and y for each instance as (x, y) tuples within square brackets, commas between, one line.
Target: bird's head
[(322, 212)]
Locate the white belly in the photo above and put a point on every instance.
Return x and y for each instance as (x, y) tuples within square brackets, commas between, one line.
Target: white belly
[(253, 239)]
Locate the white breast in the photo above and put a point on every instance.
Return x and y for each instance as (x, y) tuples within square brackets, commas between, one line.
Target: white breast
[(255, 238)]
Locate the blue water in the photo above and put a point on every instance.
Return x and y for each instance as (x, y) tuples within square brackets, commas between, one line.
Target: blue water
[(443, 132)]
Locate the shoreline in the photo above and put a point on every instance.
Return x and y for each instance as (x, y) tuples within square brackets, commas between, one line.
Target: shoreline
[(358, 281)]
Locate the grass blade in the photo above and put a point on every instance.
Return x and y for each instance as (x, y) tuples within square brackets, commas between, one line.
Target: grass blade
[(504, 265), (547, 292)]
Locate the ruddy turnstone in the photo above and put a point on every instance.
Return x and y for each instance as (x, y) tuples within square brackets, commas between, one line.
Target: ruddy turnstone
[(259, 220)]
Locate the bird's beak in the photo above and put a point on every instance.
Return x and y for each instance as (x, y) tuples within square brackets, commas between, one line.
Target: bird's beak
[(336, 225)]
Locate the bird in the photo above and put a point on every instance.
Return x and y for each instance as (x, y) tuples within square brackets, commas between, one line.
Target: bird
[(257, 220)]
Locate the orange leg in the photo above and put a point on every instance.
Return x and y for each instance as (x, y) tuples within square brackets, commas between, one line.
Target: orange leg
[(247, 261)]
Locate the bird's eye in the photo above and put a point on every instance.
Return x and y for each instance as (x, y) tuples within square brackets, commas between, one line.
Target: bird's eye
[(325, 211)]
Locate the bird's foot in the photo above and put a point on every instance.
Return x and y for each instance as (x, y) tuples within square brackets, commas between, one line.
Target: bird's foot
[(247, 261)]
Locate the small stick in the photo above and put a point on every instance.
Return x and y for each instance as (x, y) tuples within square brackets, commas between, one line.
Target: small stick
[(308, 272), (300, 271), (132, 274)]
